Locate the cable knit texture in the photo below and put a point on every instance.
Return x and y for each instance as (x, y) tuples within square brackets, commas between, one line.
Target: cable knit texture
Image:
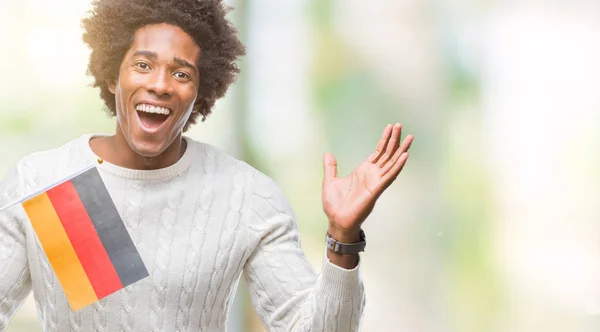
[(197, 225)]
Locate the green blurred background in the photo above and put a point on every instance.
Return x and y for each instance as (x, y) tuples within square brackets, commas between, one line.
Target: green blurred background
[(493, 224)]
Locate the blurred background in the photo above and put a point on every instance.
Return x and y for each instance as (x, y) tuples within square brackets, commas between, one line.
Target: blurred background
[(492, 225)]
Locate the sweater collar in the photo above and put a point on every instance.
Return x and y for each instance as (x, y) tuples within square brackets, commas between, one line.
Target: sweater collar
[(156, 174)]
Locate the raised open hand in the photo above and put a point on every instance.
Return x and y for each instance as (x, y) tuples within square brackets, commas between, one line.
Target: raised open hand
[(349, 200)]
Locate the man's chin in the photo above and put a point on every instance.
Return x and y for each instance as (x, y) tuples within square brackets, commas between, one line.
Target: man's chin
[(148, 149), (148, 153)]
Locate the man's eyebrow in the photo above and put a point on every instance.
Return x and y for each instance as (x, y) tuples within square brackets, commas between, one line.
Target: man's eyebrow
[(148, 54), (154, 55), (184, 63)]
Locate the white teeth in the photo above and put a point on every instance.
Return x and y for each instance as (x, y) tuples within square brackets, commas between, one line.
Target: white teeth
[(153, 109)]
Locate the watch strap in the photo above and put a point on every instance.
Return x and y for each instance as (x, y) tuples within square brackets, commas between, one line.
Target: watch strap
[(346, 248)]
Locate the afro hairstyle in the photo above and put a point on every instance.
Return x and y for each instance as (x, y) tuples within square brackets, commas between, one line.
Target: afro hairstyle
[(109, 30)]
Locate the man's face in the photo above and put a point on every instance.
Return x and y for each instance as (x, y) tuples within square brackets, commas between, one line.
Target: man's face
[(156, 89)]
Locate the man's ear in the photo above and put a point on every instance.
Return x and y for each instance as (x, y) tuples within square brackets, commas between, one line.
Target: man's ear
[(196, 108), (111, 86)]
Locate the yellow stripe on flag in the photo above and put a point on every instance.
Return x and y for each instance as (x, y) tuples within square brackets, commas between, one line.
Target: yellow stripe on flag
[(59, 251)]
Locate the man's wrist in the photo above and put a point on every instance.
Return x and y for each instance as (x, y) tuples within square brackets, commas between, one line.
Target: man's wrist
[(344, 235), (343, 246), (350, 244)]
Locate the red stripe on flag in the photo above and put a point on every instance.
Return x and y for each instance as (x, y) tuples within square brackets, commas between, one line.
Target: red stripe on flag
[(84, 238)]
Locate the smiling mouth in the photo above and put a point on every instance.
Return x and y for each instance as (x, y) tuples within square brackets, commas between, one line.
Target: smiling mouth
[(151, 116)]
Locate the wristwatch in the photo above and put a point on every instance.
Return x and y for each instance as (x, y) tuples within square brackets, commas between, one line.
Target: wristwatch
[(346, 248)]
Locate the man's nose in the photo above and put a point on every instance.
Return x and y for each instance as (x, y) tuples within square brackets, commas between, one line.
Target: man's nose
[(160, 83)]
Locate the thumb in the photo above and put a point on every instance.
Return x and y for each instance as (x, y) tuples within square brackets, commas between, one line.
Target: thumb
[(329, 166)]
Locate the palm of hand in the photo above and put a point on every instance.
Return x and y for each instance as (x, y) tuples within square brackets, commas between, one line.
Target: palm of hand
[(352, 197), (347, 201)]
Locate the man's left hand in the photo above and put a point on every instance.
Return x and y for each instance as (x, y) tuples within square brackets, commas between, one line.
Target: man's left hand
[(349, 200)]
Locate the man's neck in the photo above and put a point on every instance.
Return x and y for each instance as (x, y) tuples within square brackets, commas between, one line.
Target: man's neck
[(116, 150)]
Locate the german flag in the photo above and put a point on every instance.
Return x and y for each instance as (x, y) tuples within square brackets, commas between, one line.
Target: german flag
[(84, 239)]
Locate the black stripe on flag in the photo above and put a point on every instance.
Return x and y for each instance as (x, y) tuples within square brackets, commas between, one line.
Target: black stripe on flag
[(110, 227)]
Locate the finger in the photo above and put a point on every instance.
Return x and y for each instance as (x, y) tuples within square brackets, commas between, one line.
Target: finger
[(329, 167), (396, 168), (403, 148), (381, 144), (392, 145), (407, 143)]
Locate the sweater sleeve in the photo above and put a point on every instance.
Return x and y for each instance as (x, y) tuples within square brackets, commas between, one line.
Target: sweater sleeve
[(15, 282), (285, 291)]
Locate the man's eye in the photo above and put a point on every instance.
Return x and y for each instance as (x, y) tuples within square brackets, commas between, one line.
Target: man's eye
[(142, 65), (182, 75)]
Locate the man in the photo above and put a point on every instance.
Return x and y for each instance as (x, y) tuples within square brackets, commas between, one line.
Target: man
[(197, 216)]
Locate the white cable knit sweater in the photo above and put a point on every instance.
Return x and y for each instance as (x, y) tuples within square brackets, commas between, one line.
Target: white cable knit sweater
[(197, 225)]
